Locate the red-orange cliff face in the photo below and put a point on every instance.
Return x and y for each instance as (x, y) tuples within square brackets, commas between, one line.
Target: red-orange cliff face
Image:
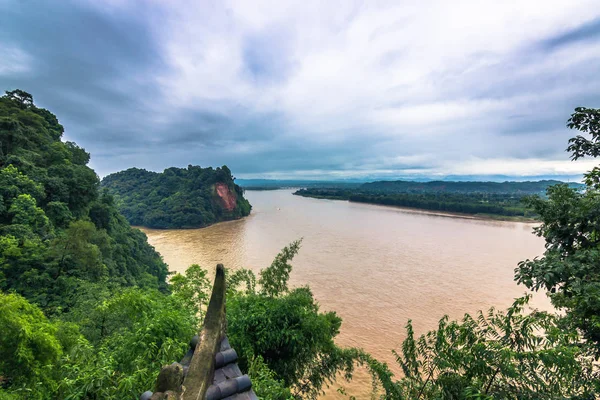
[(229, 198)]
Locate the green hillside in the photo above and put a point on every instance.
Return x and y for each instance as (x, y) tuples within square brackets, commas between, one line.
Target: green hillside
[(178, 197), (57, 229)]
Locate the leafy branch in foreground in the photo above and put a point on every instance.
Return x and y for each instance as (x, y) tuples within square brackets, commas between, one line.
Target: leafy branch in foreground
[(570, 267), (193, 289), (496, 355), (284, 329), (274, 279)]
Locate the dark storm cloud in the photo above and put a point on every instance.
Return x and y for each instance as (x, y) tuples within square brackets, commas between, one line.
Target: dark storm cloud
[(96, 71), (584, 32), (79, 53), (83, 66)]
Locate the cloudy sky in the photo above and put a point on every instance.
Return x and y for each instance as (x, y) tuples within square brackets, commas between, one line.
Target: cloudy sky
[(311, 89)]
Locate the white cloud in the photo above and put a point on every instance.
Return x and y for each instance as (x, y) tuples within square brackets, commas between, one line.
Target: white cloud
[(13, 61), (355, 62), (352, 87), (517, 167)]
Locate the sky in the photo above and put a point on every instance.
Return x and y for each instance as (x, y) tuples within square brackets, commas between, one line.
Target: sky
[(312, 89)]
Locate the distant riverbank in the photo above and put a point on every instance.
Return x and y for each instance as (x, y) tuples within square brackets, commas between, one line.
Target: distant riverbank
[(499, 207)]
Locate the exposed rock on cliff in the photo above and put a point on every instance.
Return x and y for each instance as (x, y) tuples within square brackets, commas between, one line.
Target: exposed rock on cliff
[(229, 198)]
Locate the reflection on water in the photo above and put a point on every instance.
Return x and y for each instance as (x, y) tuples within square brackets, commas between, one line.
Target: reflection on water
[(376, 266)]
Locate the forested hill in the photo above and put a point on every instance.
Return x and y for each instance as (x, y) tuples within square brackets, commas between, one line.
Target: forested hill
[(58, 232), (191, 197), (522, 188)]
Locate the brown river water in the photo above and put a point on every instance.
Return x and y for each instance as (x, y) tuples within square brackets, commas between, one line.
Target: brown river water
[(376, 266)]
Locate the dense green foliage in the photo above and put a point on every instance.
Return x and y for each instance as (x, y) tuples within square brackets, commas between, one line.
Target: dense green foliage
[(504, 205), (494, 355), (78, 284), (29, 343), (57, 231), (325, 193), (125, 340), (493, 204), (177, 197), (570, 268), (110, 346)]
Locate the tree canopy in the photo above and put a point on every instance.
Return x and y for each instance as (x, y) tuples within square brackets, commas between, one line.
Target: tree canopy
[(569, 270), (57, 229), (178, 197), (77, 283)]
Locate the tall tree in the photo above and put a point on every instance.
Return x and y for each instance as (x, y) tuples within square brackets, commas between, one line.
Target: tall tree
[(570, 267)]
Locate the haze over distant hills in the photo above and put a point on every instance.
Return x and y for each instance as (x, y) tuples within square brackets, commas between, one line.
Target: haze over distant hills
[(349, 183)]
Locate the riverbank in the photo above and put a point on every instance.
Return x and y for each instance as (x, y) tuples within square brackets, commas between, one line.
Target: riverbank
[(191, 228), (346, 196)]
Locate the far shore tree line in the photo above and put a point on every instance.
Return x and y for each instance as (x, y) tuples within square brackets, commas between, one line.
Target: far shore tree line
[(500, 205)]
